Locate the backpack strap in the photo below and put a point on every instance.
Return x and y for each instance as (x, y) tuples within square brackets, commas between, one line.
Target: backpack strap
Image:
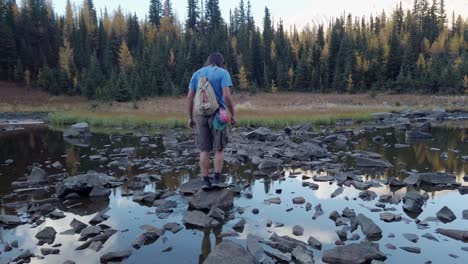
[(212, 75)]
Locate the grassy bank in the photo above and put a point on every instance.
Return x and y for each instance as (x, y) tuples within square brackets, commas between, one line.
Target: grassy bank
[(155, 121), (262, 109)]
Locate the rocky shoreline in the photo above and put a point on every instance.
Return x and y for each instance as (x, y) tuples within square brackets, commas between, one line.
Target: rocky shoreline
[(268, 152)]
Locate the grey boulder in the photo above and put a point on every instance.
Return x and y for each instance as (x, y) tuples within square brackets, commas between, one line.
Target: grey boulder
[(368, 227), (85, 183), (229, 253), (413, 201), (446, 215), (205, 200), (199, 220), (353, 254)]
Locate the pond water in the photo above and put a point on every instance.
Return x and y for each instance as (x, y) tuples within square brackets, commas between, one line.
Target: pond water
[(43, 146)]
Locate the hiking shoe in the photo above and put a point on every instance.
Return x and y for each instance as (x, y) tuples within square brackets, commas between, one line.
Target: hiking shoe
[(216, 182), (206, 184)]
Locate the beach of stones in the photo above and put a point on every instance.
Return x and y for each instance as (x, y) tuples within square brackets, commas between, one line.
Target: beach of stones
[(269, 152)]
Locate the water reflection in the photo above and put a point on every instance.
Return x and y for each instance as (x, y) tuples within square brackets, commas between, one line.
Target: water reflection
[(193, 246)]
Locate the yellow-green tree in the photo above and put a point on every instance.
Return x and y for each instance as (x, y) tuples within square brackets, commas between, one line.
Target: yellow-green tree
[(125, 58)]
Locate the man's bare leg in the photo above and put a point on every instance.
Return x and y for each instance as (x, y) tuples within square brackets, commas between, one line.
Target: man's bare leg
[(205, 169), (219, 161)]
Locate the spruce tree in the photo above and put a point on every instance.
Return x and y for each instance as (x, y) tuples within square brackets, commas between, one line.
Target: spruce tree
[(155, 12)]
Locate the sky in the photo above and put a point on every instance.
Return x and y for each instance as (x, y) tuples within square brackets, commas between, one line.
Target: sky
[(298, 12)]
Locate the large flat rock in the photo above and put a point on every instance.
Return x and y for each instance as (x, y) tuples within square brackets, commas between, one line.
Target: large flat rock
[(353, 254), (205, 200), (229, 253)]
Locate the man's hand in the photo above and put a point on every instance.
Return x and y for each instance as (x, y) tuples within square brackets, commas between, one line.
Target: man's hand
[(233, 120), (191, 123)]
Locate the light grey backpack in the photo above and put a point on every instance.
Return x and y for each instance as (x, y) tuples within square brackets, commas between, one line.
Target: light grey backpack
[(206, 103)]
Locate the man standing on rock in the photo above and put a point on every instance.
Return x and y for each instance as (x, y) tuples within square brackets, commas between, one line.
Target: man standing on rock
[(212, 130)]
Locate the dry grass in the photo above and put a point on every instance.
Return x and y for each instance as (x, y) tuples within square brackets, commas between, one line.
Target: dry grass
[(269, 108)]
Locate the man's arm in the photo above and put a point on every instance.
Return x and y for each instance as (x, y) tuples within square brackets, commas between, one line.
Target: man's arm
[(229, 103), (190, 97)]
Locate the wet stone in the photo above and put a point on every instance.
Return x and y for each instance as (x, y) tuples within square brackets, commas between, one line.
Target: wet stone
[(314, 243), (390, 217), (10, 220), (415, 250), (275, 200), (199, 220), (229, 253), (461, 235), (368, 227), (302, 255), (90, 231), (239, 225), (116, 256), (77, 225), (173, 227), (318, 211), (445, 215), (50, 251), (203, 200), (46, 235), (298, 200), (390, 246), (298, 230), (337, 192), (430, 237), (353, 254), (411, 237), (413, 201)]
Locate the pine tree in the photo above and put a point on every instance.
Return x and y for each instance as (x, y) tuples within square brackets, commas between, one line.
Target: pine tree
[(167, 9), (155, 12), (193, 15)]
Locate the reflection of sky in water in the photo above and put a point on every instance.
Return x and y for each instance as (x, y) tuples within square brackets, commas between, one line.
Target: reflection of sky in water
[(191, 246)]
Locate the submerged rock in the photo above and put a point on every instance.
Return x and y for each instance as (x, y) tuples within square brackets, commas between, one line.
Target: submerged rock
[(353, 254), (10, 220), (229, 253), (372, 163), (411, 237), (415, 250), (116, 256)]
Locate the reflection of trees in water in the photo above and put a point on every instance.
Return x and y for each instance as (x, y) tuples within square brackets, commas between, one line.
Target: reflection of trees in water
[(419, 155), (73, 157)]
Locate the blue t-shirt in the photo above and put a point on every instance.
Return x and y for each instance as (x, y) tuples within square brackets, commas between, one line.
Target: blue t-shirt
[(218, 77)]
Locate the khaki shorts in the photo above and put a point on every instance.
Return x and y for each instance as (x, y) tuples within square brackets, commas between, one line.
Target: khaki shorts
[(207, 137)]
